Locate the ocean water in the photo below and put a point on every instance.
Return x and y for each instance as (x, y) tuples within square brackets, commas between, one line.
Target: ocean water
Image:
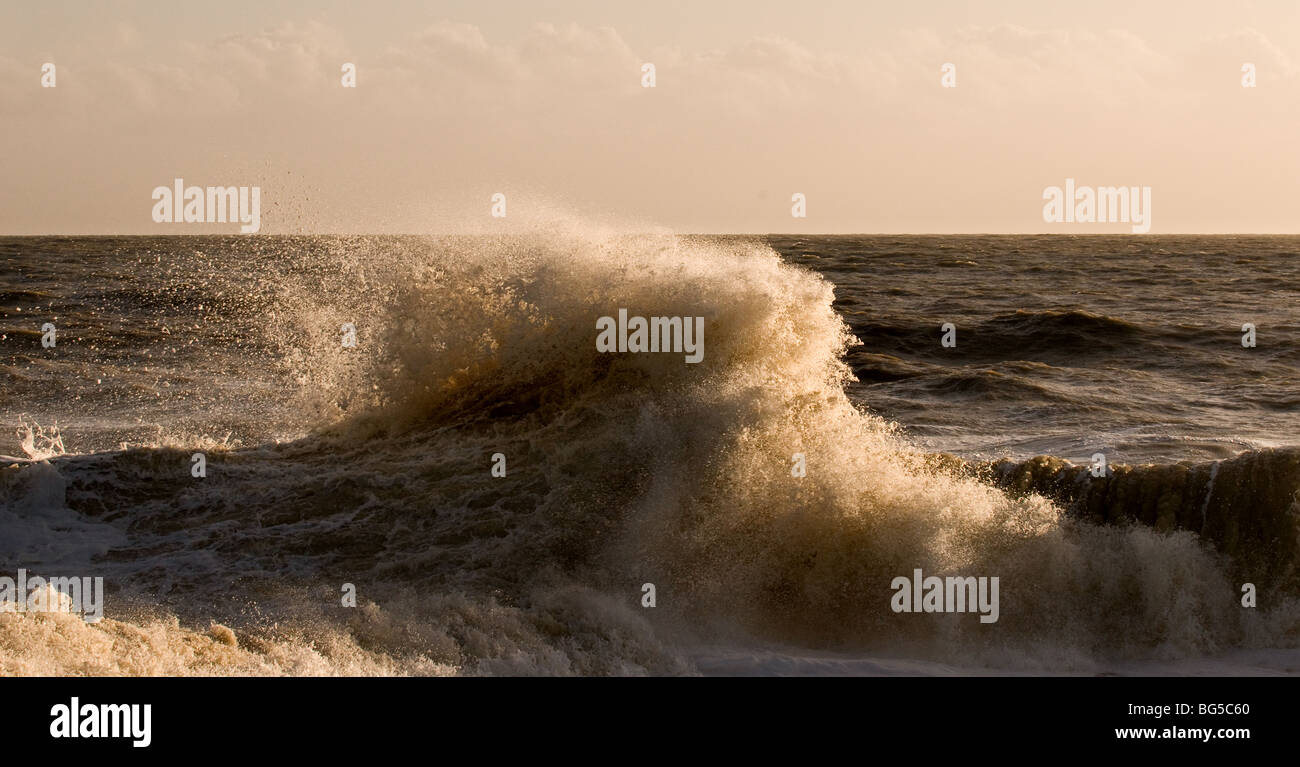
[(371, 466), (1073, 345)]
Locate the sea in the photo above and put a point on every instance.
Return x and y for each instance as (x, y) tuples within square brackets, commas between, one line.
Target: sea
[(405, 455)]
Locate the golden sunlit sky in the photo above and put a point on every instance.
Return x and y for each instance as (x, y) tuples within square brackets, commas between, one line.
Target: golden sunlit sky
[(753, 101)]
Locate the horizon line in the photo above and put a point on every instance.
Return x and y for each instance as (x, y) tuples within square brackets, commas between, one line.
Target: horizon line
[(1133, 235)]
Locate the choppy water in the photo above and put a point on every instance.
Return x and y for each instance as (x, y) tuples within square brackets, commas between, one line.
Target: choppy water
[(371, 465), (1073, 345)]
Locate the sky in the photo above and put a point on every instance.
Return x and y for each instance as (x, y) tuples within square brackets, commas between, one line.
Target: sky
[(543, 102)]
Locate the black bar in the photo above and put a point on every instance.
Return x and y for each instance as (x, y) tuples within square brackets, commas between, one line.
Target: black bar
[(231, 718)]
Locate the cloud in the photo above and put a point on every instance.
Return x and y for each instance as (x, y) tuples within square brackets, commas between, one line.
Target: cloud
[(446, 104)]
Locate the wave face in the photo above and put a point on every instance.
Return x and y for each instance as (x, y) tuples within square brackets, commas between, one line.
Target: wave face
[(374, 469), (1246, 506)]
